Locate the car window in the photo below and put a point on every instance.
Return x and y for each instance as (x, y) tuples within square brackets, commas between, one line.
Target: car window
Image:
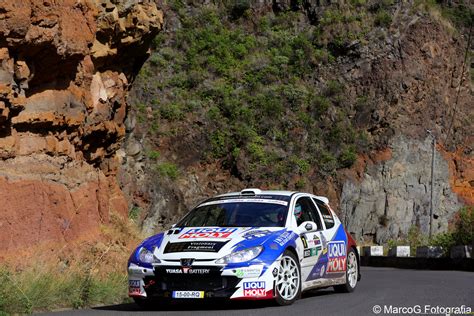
[(326, 213), (238, 214), (306, 211)]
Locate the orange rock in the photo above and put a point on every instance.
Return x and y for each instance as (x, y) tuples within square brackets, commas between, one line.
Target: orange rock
[(62, 112), (461, 168)]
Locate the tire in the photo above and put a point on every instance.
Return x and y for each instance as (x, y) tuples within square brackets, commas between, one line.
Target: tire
[(288, 280), (352, 273)]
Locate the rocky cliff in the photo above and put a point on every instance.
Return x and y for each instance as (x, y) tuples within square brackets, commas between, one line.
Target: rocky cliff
[(345, 94), (394, 193), (330, 97), (65, 69)]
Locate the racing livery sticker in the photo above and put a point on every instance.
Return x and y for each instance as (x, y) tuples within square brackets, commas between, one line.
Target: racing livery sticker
[(331, 262), (337, 257), (256, 234), (134, 287), (250, 272), (311, 252), (268, 201), (254, 289), (305, 242), (194, 246), (324, 243), (208, 233), (283, 238), (187, 270), (315, 241)]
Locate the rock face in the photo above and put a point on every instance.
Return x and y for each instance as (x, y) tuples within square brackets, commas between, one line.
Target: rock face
[(394, 193), (409, 76), (65, 69)]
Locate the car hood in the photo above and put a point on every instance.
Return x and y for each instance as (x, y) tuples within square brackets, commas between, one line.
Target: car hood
[(212, 242)]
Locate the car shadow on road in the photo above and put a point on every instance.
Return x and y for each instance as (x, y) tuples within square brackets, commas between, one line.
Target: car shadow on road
[(211, 305), (190, 306)]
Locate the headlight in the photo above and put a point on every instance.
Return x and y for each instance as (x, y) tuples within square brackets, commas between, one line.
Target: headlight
[(146, 256), (241, 256)]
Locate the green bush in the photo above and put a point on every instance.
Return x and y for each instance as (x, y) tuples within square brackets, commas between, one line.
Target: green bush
[(461, 15), (167, 169), (445, 240), (134, 213), (239, 7), (302, 164), (462, 232), (347, 157), (257, 152), (333, 88), (300, 184), (319, 105), (153, 154), (415, 238), (219, 143), (358, 3), (171, 111), (383, 18)]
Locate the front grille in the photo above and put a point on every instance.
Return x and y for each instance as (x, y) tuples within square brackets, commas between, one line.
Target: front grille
[(209, 282), (194, 246)]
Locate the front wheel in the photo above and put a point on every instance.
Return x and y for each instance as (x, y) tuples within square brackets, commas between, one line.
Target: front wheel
[(288, 280), (352, 273)]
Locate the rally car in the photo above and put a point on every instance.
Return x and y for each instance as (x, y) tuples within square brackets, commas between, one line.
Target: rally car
[(252, 245)]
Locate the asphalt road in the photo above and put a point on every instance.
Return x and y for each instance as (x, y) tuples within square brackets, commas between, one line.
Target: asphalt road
[(387, 288)]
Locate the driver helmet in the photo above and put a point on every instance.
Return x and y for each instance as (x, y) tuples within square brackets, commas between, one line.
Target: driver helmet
[(298, 210)]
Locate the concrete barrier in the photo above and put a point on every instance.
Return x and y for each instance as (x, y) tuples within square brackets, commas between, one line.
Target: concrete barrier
[(372, 251), (461, 264), (399, 251), (430, 252), (427, 258), (461, 252)]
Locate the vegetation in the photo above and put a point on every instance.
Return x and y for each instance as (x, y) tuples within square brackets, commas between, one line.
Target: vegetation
[(46, 288), (255, 79), (461, 232), (461, 15), (167, 169), (414, 239), (134, 213), (89, 274)]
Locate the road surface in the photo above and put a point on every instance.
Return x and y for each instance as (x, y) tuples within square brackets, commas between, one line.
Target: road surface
[(388, 290)]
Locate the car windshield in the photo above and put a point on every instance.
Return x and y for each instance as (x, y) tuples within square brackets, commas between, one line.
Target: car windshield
[(237, 214)]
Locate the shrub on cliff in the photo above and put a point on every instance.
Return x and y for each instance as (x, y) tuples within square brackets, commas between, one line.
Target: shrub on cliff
[(461, 233), (253, 86)]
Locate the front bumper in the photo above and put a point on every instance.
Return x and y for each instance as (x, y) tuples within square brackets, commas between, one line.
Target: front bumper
[(253, 282)]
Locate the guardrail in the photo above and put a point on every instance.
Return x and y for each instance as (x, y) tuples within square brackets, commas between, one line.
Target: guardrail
[(426, 258)]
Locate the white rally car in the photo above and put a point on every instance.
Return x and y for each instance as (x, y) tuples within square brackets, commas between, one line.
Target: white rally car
[(251, 244)]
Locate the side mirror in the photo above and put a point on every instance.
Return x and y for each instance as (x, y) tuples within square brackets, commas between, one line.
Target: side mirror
[(307, 227)]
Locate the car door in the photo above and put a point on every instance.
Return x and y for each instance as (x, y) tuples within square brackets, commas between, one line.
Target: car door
[(305, 210), (334, 241)]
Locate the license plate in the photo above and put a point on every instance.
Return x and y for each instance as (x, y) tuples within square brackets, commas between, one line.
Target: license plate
[(188, 294)]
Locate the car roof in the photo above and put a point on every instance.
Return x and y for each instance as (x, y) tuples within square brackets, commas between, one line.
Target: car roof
[(262, 192), (258, 192)]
